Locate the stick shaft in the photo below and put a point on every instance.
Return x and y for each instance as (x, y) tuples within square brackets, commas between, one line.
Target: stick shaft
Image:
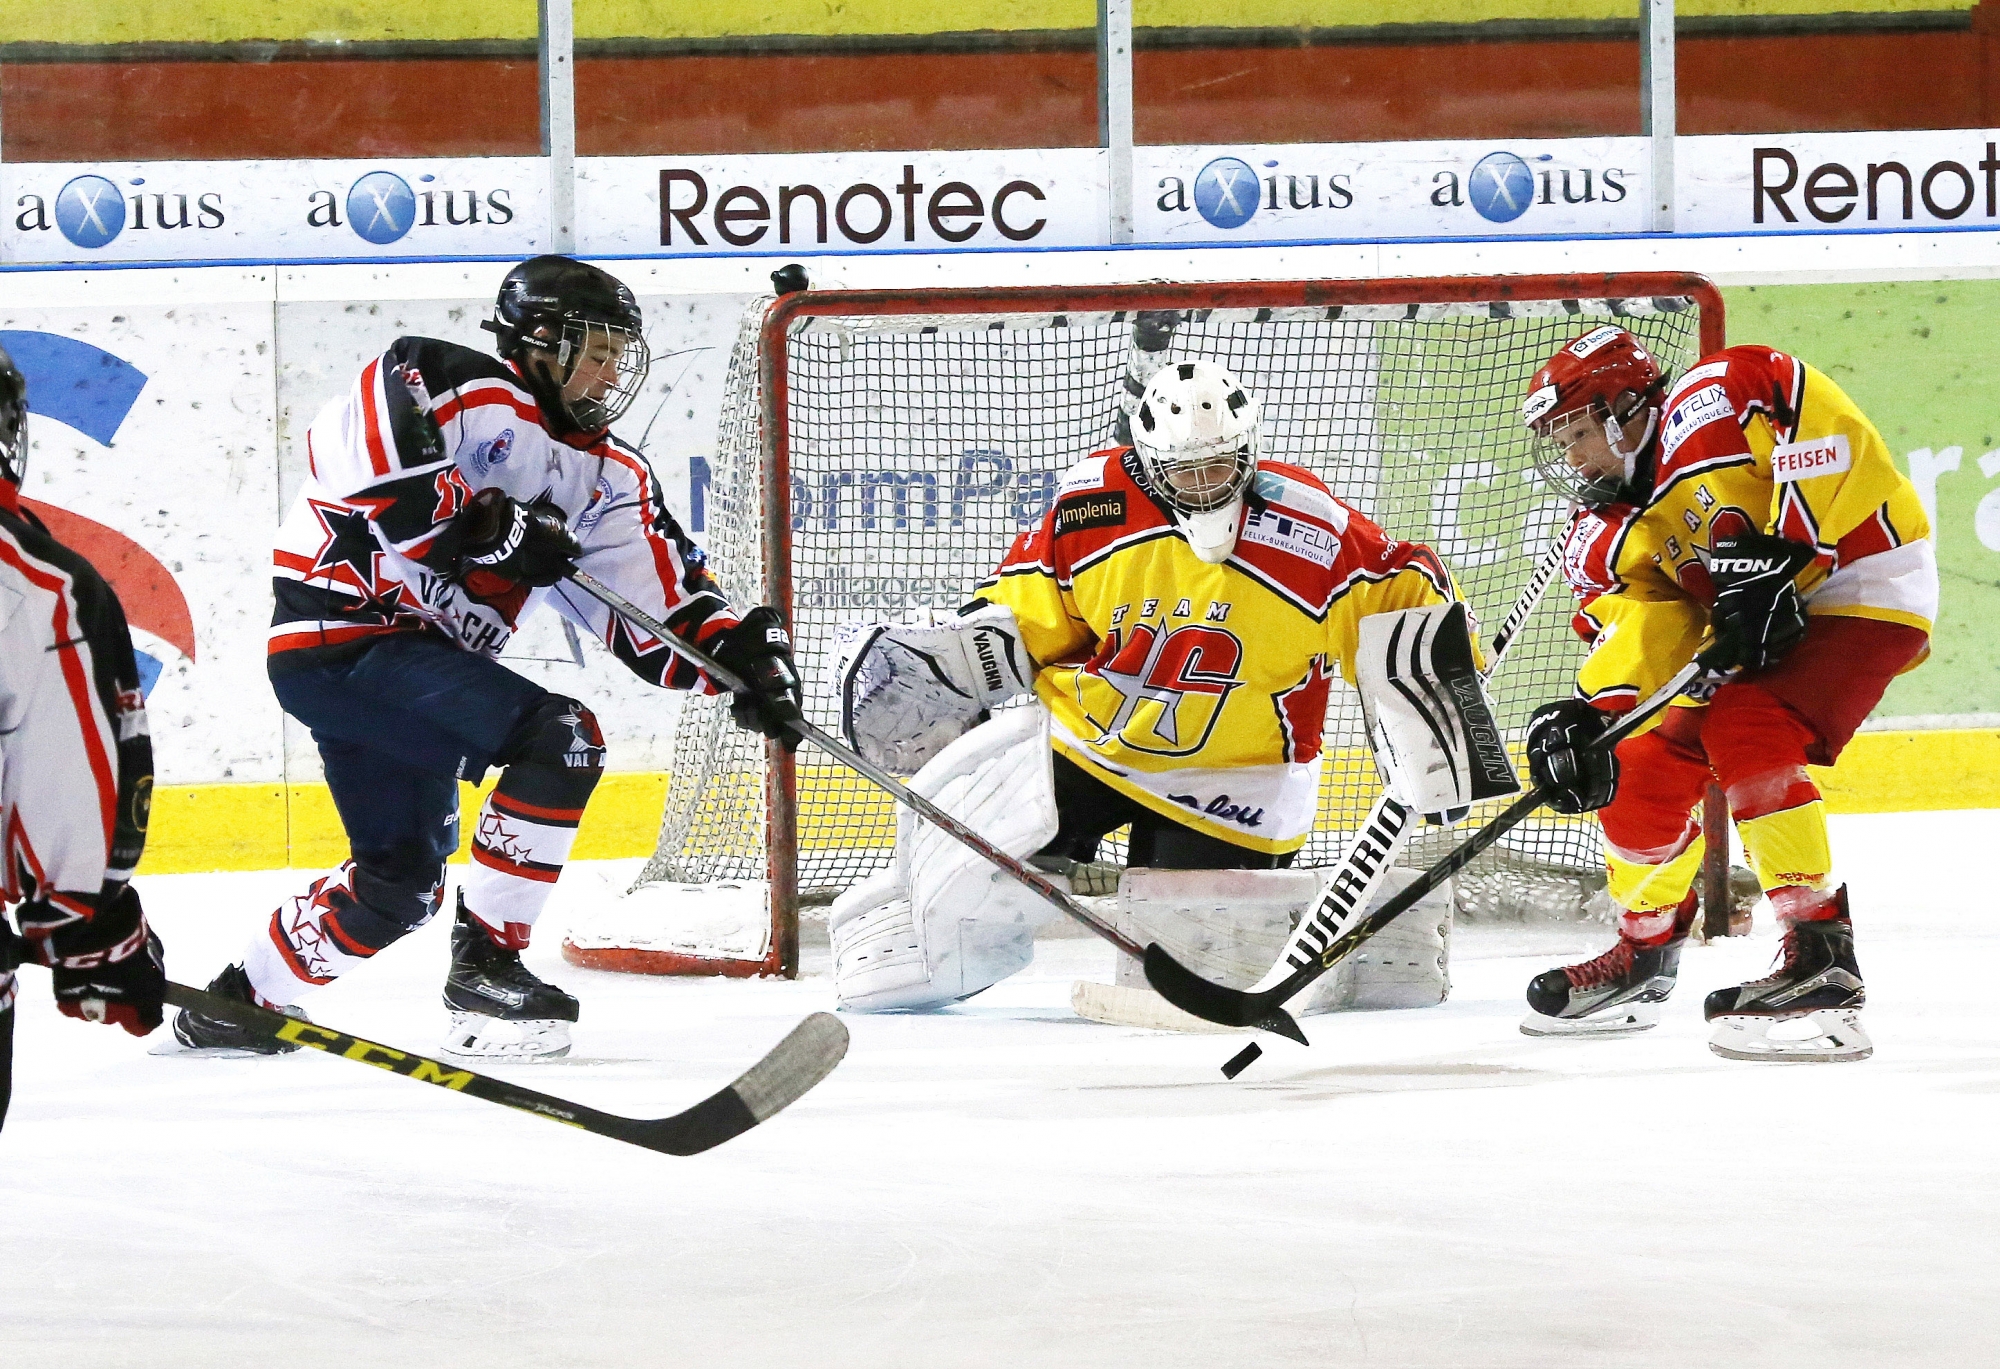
[(874, 774)]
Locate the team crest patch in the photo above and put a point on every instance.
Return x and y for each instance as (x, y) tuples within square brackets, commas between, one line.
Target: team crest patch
[(1105, 509)]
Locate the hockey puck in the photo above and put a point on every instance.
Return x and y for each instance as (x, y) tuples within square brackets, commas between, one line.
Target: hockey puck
[(1242, 1060)]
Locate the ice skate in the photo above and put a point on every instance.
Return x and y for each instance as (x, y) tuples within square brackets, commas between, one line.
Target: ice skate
[(1617, 994), (211, 1036), (499, 1009), (1808, 1009)]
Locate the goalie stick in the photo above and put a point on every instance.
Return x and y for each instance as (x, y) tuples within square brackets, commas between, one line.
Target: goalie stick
[(875, 775), (806, 1056), (1380, 836), (1189, 992)]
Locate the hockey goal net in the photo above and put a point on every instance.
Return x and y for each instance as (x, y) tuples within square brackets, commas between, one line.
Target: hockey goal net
[(879, 450)]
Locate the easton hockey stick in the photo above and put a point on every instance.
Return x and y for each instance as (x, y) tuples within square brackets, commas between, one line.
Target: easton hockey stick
[(875, 775), (1189, 992), (806, 1056)]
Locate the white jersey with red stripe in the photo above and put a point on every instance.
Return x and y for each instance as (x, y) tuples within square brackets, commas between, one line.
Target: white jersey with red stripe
[(363, 551), (76, 766)]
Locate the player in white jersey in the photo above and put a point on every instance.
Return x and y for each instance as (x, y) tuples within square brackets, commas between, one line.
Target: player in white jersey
[(450, 493), (76, 771)]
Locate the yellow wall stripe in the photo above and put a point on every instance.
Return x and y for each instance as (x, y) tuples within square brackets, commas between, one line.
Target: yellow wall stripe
[(223, 21), (201, 827)]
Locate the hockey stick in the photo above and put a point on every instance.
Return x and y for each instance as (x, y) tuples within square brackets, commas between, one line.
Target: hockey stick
[(1189, 992), (1380, 836), (806, 1056), (875, 775)]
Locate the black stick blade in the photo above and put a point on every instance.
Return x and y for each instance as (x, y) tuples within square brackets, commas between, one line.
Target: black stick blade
[(1189, 992), (806, 1056)]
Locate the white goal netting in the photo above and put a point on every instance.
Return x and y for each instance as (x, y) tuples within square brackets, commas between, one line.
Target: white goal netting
[(917, 445)]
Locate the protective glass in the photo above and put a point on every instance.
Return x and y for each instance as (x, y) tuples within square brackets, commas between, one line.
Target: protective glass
[(602, 367)]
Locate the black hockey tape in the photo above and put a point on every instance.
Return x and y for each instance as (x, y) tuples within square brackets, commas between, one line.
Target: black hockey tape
[(1242, 1060)]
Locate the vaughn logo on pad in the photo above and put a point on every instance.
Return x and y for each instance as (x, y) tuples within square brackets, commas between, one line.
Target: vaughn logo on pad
[(1817, 456)]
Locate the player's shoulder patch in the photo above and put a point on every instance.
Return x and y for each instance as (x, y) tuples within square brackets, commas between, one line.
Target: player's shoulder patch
[(1297, 490), (1087, 509), (1592, 545), (1087, 474)]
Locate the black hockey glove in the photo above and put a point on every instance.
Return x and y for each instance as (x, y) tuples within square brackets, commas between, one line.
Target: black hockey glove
[(525, 543), (759, 650), (111, 969), (1579, 777), (1758, 614)]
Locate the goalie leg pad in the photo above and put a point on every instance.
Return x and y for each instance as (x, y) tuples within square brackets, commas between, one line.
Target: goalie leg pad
[(1405, 965), (1429, 719), (943, 923)]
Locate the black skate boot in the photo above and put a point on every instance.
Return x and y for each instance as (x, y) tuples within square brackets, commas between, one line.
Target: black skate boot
[(212, 1035), (1618, 993), (1809, 1008), (498, 1007)]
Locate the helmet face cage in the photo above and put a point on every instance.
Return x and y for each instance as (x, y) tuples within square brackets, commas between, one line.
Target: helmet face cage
[(1552, 440), (580, 340), (1197, 480)]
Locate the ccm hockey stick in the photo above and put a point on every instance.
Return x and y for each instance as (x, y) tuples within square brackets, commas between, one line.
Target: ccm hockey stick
[(1189, 992), (875, 775), (1381, 835), (792, 1067)]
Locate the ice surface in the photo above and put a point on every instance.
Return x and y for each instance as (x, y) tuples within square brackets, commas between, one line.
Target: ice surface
[(1005, 1185)]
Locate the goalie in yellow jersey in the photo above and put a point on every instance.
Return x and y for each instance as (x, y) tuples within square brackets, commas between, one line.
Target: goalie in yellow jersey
[(1180, 614)]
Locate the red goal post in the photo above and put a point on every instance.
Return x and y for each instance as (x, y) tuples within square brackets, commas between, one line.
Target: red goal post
[(925, 368)]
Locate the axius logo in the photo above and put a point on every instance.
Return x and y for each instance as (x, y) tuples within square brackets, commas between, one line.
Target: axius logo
[(382, 207), (1228, 192), (91, 211), (1502, 186)]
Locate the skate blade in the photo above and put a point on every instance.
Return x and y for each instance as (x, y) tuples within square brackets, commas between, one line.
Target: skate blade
[(1123, 1005), (473, 1037), (1835, 1036), (175, 1047), (1629, 1020)]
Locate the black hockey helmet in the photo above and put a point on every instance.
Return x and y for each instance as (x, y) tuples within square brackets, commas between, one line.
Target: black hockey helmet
[(576, 316), (13, 422)]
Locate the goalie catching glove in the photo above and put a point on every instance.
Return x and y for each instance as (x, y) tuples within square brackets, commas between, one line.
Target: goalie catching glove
[(908, 690), (1429, 720)]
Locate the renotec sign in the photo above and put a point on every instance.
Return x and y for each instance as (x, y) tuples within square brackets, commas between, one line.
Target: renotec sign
[(1004, 200)]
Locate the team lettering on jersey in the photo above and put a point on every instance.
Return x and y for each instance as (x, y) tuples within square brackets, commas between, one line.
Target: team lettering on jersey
[(1201, 690)]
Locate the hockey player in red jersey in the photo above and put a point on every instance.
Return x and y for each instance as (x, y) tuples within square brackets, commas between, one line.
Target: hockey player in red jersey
[(450, 493), (1747, 502), (76, 771)]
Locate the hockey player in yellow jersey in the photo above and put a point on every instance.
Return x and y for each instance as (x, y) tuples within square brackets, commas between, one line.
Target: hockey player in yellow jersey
[(1180, 612), (1751, 502)]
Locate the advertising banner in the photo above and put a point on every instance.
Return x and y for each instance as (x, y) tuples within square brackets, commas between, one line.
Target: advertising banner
[(1916, 180), (1306, 192), (841, 201), (274, 211)]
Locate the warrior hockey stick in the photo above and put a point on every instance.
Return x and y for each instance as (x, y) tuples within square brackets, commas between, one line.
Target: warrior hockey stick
[(792, 1067), (1380, 837), (1251, 1008), (875, 775)]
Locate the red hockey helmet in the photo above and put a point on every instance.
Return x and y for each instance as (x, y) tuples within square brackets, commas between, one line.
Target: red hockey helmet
[(1579, 406)]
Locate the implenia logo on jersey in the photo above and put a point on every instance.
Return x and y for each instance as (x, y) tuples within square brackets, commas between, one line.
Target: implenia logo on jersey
[(92, 210), (1228, 192), (1502, 186), (381, 207)]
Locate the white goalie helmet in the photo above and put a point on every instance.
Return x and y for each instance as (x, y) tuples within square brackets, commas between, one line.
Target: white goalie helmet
[(1196, 435)]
